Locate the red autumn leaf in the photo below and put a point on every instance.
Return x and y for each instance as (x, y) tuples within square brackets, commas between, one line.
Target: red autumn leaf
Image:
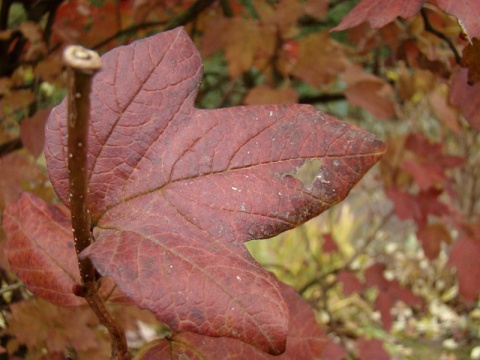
[(32, 132), (320, 59), (79, 20), (4, 264), (374, 276), (430, 204), (466, 11), (351, 283), (390, 291), (438, 100), (466, 97), (36, 323), (15, 100), (406, 205), (417, 207), (21, 172), (464, 256), (305, 340), (49, 68), (383, 304), (426, 175), (369, 92), (41, 249), (399, 292), (470, 60), (267, 95), (431, 236), (429, 164), (379, 13), (333, 351), (244, 42), (42, 254), (316, 8), (419, 144), (283, 15), (143, 8), (37, 48), (174, 191), (371, 349), (329, 245)]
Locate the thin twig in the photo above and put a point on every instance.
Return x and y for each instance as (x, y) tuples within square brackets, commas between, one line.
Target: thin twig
[(226, 8), (361, 250), (323, 98), (130, 30), (440, 35), (81, 69), (10, 146), (188, 15), (11, 287), (82, 65), (181, 19)]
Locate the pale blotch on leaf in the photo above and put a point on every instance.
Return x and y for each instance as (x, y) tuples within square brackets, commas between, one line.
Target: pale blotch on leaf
[(308, 172)]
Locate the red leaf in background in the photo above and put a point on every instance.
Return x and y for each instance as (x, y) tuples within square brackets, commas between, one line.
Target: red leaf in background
[(283, 15), (38, 324), (316, 8), (37, 48), (399, 292), (42, 245), (351, 283), (267, 95), (371, 350), (32, 132), (417, 207), (15, 100), (466, 97), (406, 205), (141, 9), (379, 12), (175, 191), (390, 291), (49, 68), (320, 59), (374, 276), (426, 175), (438, 100), (41, 252), (431, 237), (305, 340), (464, 256), (333, 351), (329, 245), (370, 92), (430, 162), (419, 144), (21, 170), (430, 204), (467, 12), (243, 40), (471, 60), (384, 303), (80, 21), (4, 264)]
